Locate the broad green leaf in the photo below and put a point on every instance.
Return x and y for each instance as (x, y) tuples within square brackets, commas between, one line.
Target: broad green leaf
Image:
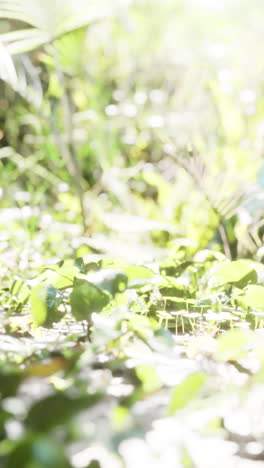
[(233, 345), (186, 391), (171, 287), (238, 273), (60, 277), (120, 418), (113, 281), (37, 451), (252, 297), (4, 417), (86, 298), (149, 378), (43, 302), (57, 409), (79, 263), (94, 464), (138, 272), (113, 263), (141, 325), (9, 382)]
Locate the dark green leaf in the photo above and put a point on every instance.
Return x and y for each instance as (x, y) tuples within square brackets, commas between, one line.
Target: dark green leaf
[(9, 383), (86, 298), (113, 281), (39, 452), (57, 410)]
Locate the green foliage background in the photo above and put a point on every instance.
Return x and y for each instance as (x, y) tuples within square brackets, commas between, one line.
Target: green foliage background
[(132, 188)]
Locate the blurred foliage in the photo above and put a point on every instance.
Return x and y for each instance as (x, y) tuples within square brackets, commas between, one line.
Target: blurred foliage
[(132, 191)]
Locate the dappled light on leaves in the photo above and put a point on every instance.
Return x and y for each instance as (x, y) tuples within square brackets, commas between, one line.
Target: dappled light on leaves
[(131, 234)]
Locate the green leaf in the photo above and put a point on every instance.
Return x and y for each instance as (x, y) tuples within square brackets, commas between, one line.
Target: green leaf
[(7, 69), (149, 378), (238, 273), (4, 417), (94, 464), (138, 275), (20, 290), (9, 382), (113, 281), (171, 287), (38, 452), (233, 345), (61, 277), (79, 263), (113, 263), (49, 20), (86, 298), (57, 410), (24, 40), (252, 297), (43, 303), (186, 391)]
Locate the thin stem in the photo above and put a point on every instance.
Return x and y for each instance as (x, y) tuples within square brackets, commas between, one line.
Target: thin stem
[(224, 239), (67, 149)]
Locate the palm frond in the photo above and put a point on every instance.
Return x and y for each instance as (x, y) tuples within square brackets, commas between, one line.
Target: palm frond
[(27, 11), (48, 19), (223, 194), (21, 75), (7, 68), (29, 85), (24, 40)]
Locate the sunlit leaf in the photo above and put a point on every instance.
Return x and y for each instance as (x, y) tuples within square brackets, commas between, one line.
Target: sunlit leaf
[(113, 281), (138, 274), (238, 272), (43, 302), (87, 298), (252, 296), (60, 278), (233, 344), (149, 377), (48, 20), (186, 391)]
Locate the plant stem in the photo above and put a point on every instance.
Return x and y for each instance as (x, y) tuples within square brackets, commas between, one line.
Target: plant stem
[(67, 148), (224, 239)]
